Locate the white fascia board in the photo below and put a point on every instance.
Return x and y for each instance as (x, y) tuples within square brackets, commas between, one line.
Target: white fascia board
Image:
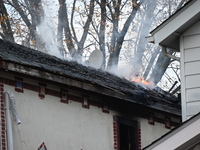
[(176, 22)]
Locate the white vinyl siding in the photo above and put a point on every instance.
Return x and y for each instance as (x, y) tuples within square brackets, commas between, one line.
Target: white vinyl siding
[(191, 69), (192, 54), (192, 94), (192, 81), (191, 41)]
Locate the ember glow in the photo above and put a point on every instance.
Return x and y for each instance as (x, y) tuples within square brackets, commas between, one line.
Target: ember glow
[(140, 80)]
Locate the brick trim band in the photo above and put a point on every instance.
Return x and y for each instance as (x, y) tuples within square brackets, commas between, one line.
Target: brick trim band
[(3, 119)]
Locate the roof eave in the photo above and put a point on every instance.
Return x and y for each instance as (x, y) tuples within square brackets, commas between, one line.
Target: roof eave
[(167, 34), (75, 83)]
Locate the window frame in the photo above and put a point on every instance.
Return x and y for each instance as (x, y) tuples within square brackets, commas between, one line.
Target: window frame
[(118, 120)]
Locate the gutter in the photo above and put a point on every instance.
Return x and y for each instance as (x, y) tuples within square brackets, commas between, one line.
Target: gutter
[(10, 107), (151, 39), (164, 51)]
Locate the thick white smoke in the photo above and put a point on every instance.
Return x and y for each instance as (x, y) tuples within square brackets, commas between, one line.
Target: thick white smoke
[(48, 34)]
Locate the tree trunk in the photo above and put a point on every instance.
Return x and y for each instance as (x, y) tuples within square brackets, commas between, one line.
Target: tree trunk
[(102, 32), (64, 26), (160, 67), (36, 11), (24, 18), (141, 45), (76, 54), (150, 64), (60, 29), (86, 29), (162, 62), (118, 38), (5, 23)]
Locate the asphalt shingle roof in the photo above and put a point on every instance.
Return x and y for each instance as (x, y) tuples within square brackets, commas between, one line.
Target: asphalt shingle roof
[(35, 59)]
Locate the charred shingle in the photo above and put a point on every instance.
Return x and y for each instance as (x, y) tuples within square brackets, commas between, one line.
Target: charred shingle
[(12, 52)]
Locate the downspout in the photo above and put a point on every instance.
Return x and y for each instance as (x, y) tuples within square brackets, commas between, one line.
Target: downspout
[(164, 51), (151, 39), (10, 107)]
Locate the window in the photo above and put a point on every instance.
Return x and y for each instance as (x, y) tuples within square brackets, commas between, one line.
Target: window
[(19, 84), (127, 137), (128, 134)]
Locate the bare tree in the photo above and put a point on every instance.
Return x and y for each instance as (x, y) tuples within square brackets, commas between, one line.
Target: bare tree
[(103, 24), (64, 29), (163, 61), (101, 32), (145, 26), (117, 38), (69, 29), (5, 23)]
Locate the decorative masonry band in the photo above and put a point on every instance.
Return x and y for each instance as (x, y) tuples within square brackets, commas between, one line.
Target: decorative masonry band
[(3, 122), (63, 94)]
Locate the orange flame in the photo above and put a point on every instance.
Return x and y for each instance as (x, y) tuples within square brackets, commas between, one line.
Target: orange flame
[(140, 80)]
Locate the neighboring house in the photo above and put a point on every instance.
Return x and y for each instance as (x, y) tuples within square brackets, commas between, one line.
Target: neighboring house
[(181, 32), (65, 105)]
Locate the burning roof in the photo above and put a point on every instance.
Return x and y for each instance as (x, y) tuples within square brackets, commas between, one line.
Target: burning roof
[(127, 91)]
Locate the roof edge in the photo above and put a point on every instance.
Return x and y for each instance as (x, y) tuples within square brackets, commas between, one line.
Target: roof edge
[(174, 15)]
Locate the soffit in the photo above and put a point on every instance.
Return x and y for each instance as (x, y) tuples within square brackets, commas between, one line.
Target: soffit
[(168, 33)]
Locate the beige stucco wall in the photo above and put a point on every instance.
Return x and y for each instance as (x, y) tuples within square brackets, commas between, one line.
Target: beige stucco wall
[(182, 138), (150, 133), (190, 71), (68, 126), (60, 126)]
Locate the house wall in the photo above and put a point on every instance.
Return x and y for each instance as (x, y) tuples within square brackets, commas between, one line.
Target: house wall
[(59, 125), (190, 71), (67, 125), (150, 133)]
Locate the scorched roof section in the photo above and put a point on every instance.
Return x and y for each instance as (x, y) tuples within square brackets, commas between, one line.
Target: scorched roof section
[(15, 53)]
